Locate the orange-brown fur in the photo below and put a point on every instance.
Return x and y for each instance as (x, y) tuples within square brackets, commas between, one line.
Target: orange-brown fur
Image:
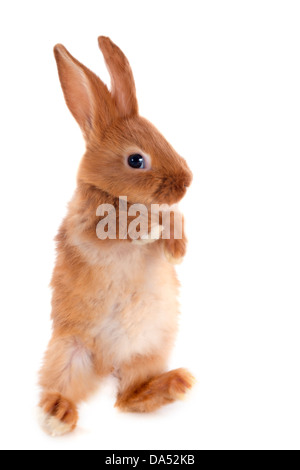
[(114, 306)]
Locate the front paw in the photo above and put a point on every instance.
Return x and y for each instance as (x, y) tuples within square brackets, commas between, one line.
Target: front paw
[(175, 250), (151, 237)]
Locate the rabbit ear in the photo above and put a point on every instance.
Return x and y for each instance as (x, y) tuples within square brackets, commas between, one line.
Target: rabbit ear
[(122, 81), (87, 97)]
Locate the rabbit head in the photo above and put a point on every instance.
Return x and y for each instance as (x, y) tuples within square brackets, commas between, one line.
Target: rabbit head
[(125, 154)]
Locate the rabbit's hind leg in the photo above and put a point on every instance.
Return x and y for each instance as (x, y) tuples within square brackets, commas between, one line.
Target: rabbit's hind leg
[(67, 377), (144, 387)]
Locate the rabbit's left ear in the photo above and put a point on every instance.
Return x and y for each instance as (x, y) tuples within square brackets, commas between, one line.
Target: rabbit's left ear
[(87, 97), (122, 82)]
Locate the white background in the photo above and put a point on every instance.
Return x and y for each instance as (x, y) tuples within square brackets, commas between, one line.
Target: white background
[(221, 80)]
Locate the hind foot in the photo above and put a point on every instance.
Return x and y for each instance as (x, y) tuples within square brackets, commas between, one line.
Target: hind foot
[(159, 391), (57, 415)]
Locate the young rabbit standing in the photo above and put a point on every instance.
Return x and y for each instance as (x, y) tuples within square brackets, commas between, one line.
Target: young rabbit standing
[(115, 305)]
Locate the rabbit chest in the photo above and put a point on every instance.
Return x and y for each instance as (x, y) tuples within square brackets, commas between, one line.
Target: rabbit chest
[(137, 311)]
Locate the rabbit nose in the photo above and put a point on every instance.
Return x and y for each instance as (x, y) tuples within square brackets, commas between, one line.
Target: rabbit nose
[(188, 180)]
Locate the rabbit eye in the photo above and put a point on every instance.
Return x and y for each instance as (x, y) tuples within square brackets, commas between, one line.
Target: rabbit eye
[(136, 161)]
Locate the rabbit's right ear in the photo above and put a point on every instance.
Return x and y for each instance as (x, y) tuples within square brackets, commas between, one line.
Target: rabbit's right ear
[(122, 82), (87, 97)]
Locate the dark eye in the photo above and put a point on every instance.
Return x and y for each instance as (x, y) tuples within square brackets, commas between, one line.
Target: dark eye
[(136, 161)]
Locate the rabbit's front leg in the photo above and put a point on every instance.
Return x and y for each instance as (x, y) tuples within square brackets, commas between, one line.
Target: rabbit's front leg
[(66, 378), (175, 248), (150, 231), (151, 237)]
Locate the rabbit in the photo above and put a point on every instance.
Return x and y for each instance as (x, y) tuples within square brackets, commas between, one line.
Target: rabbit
[(115, 301)]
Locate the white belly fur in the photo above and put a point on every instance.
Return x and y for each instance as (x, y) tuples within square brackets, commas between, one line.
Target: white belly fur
[(142, 309)]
